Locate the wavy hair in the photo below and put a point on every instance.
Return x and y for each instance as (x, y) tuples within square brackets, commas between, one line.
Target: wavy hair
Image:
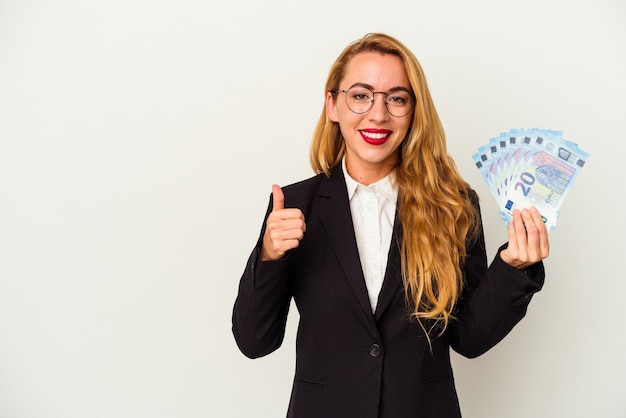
[(435, 210)]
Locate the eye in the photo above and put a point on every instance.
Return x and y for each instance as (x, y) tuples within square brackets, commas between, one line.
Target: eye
[(361, 97), (398, 99)]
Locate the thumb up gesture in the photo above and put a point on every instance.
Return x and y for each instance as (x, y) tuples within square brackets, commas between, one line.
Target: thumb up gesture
[(284, 228)]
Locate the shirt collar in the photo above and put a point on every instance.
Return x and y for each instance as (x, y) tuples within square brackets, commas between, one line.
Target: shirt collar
[(385, 187)]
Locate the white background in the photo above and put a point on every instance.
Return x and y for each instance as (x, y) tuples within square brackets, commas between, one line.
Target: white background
[(138, 144)]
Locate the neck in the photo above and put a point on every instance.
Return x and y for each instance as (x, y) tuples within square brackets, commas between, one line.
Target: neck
[(370, 174)]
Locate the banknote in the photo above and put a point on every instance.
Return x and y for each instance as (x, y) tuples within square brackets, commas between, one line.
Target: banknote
[(530, 167)]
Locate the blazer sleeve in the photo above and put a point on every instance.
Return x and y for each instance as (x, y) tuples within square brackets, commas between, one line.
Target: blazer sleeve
[(262, 303), (494, 300)]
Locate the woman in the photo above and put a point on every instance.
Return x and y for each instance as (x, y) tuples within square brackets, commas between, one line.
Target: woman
[(383, 253)]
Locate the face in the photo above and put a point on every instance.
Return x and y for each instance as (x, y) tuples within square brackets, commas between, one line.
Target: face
[(372, 138)]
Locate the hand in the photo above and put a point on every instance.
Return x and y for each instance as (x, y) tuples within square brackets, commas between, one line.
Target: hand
[(284, 228), (528, 239)]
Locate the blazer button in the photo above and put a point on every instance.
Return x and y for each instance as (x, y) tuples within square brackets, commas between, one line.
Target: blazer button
[(375, 350)]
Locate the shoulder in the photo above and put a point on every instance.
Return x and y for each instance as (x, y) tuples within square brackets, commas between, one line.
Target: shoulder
[(303, 193), (304, 185), (319, 183)]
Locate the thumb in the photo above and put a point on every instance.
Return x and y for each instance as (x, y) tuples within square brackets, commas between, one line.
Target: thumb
[(279, 197)]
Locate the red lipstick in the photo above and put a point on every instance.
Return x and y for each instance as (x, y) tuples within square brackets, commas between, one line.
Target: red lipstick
[(375, 136)]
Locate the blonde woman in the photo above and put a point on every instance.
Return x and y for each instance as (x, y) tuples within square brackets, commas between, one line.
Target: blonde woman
[(383, 253)]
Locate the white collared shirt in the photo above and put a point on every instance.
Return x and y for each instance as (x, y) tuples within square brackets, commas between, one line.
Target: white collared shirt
[(373, 210)]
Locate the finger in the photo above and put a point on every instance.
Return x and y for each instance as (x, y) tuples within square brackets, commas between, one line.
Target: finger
[(290, 213), (542, 233), (295, 223), (521, 239), (279, 197), (279, 248), (279, 235), (512, 247), (531, 225), (285, 220), (515, 253)]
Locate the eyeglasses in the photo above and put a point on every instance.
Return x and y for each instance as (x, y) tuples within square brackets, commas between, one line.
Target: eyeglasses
[(361, 99)]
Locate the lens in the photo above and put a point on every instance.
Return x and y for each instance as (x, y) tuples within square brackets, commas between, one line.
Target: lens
[(361, 99), (399, 103)]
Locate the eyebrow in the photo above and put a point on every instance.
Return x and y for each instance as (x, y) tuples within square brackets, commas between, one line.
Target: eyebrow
[(367, 86)]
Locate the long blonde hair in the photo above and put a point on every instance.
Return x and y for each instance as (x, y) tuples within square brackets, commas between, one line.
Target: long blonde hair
[(437, 216)]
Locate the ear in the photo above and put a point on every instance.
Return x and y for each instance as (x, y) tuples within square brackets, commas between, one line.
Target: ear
[(331, 107)]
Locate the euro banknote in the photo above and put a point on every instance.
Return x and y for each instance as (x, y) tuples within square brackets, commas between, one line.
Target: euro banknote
[(530, 167)]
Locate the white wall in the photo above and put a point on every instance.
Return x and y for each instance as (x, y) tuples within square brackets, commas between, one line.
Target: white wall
[(138, 144)]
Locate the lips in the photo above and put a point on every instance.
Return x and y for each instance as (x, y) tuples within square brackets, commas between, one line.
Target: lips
[(375, 136)]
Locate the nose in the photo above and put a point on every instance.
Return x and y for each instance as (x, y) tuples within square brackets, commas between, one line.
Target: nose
[(378, 111)]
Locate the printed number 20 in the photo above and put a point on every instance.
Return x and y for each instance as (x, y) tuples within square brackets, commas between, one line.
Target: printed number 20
[(527, 180)]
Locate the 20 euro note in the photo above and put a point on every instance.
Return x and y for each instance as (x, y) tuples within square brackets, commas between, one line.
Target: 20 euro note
[(533, 167), (544, 180)]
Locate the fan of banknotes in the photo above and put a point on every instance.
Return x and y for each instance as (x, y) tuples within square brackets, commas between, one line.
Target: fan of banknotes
[(530, 167)]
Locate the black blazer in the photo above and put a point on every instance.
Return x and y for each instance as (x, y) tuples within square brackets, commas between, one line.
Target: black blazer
[(351, 362)]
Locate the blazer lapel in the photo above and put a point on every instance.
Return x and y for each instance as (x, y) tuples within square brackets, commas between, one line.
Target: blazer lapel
[(337, 220), (392, 282)]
